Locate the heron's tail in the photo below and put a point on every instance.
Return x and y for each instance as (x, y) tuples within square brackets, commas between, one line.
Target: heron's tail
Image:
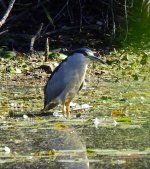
[(50, 105)]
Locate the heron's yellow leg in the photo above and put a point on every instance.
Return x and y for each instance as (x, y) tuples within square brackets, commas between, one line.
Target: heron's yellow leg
[(68, 108), (64, 111)]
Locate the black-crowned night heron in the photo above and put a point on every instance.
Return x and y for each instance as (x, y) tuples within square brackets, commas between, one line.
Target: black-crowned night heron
[(67, 79)]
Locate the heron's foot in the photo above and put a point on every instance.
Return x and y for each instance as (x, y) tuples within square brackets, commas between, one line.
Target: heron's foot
[(68, 115), (64, 112), (65, 115), (68, 108)]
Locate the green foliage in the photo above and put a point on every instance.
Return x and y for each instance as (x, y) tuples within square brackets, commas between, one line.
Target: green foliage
[(135, 26), (144, 58), (7, 54), (130, 63), (57, 56)]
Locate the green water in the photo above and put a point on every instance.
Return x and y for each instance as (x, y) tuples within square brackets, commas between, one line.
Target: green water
[(96, 137)]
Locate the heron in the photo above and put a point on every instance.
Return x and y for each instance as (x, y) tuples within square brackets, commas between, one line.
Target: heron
[(67, 79)]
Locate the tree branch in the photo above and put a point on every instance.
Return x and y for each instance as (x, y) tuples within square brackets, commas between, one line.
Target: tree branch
[(35, 37), (3, 20), (3, 32)]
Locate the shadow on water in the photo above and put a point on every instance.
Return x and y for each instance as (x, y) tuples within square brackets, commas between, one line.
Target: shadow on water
[(41, 146)]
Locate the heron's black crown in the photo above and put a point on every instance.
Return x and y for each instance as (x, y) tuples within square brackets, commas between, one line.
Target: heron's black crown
[(84, 51)]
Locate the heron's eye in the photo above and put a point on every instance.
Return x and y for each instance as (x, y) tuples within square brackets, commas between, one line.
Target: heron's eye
[(84, 53)]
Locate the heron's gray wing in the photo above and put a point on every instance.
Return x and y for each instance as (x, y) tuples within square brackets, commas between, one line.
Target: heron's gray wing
[(67, 77), (55, 85)]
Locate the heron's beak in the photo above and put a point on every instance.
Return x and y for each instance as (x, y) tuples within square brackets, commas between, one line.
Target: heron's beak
[(94, 58)]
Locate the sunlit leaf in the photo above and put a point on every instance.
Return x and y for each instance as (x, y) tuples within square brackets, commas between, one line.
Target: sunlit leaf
[(96, 122), (38, 118), (124, 119), (18, 70), (116, 113), (38, 154), (51, 152), (90, 151), (60, 126), (7, 150)]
